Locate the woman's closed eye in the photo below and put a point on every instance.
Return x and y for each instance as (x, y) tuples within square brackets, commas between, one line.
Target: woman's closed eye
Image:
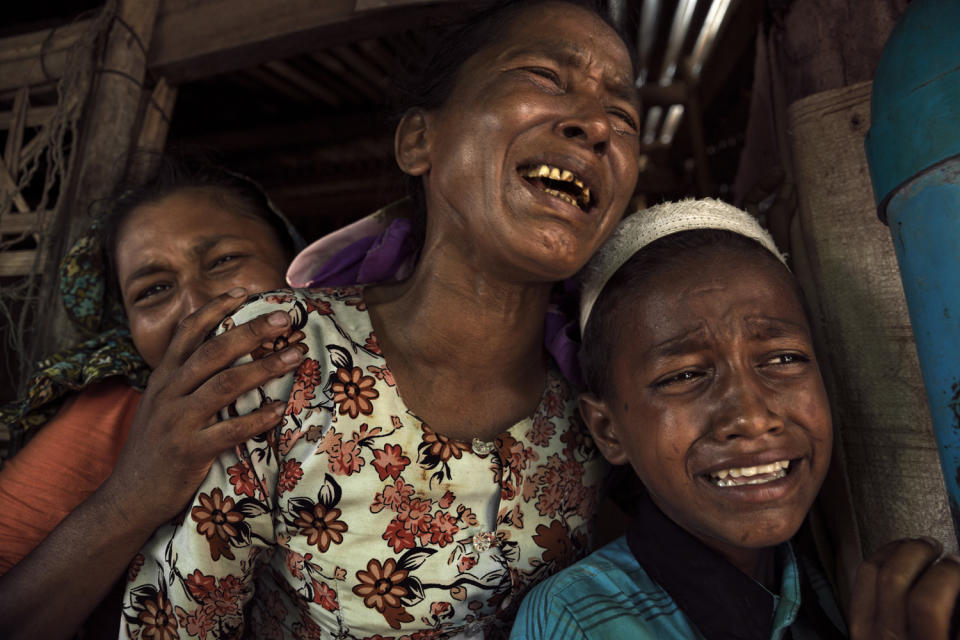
[(546, 77), (626, 122)]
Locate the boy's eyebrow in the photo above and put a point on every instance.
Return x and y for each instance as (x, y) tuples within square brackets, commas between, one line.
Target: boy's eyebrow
[(765, 327), (567, 53), (690, 341)]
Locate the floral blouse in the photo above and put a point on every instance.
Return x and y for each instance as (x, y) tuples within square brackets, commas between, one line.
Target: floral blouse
[(353, 519)]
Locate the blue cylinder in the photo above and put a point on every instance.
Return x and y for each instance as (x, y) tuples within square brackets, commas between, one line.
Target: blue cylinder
[(913, 149)]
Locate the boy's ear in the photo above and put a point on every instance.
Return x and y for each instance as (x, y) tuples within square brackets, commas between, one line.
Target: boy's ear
[(596, 414), (411, 142)]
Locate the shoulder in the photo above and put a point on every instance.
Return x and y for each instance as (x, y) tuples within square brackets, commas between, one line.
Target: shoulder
[(606, 592)]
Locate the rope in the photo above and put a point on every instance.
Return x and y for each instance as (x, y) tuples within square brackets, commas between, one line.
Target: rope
[(20, 300)]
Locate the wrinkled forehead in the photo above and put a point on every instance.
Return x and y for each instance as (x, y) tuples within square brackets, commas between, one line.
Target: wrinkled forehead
[(567, 31)]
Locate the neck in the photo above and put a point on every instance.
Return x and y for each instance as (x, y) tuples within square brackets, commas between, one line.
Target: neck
[(450, 333)]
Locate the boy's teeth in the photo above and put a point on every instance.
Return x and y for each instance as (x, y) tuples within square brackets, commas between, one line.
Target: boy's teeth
[(745, 475)]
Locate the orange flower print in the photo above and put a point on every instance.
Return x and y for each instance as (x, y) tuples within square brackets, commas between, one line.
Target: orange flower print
[(390, 461), (217, 521), (241, 477), (133, 569), (317, 305), (380, 585), (398, 537), (348, 458), (304, 382), (466, 563), (321, 526), (290, 474), (372, 345), (325, 596), (158, 620), (439, 445), (354, 391), (442, 528)]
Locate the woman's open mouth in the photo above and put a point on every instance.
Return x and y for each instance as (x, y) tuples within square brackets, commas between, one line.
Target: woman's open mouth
[(741, 476), (560, 183)]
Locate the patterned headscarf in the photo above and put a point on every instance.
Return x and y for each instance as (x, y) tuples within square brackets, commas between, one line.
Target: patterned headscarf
[(108, 351)]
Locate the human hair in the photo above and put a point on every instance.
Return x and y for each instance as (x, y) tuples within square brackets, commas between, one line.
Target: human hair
[(229, 190), (602, 333), (428, 83)]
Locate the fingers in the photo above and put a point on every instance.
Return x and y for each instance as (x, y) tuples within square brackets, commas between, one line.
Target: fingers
[(226, 386), (903, 591), (229, 433), (219, 352), (896, 577), (194, 328), (932, 601)]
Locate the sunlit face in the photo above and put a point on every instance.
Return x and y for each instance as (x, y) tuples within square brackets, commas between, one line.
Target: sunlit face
[(178, 253), (718, 401), (533, 158)]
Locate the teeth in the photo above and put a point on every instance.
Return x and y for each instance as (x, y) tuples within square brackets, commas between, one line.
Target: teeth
[(560, 175), (566, 197), (769, 472)]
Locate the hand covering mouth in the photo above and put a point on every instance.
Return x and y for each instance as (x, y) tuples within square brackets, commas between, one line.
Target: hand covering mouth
[(560, 183)]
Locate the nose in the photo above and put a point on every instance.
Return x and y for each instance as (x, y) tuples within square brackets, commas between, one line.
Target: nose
[(589, 125), (745, 410), (193, 295)]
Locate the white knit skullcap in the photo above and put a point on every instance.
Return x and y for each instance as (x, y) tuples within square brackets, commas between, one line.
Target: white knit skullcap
[(647, 225)]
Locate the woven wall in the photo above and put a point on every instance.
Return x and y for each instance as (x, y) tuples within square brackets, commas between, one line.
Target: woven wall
[(876, 386)]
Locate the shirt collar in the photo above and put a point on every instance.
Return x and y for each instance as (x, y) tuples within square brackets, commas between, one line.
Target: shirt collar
[(721, 601)]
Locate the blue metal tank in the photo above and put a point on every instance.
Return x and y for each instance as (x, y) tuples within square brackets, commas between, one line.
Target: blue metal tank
[(913, 149)]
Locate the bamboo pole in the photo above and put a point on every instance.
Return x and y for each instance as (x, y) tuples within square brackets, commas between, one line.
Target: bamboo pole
[(107, 131)]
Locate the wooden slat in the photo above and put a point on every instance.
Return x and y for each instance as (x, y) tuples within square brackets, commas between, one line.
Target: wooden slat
[(36, 116), (8, 185), (158, 113), (303, 82), (199, 38), (20, 63), (18, 263), (15, 137), (14, 223)]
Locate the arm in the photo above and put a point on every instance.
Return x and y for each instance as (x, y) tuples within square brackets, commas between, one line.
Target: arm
[(173, 440), (906, 590)]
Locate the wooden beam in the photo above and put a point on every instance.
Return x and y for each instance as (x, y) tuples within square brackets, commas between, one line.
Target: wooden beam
[(36, 116), (17, 223), (8, 185), (18, 123), (199, 38), (19, 263), (157, 115), (38, 57)]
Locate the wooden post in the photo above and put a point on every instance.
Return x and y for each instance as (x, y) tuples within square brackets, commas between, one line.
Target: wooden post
[(157, 113), (106, 136)]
